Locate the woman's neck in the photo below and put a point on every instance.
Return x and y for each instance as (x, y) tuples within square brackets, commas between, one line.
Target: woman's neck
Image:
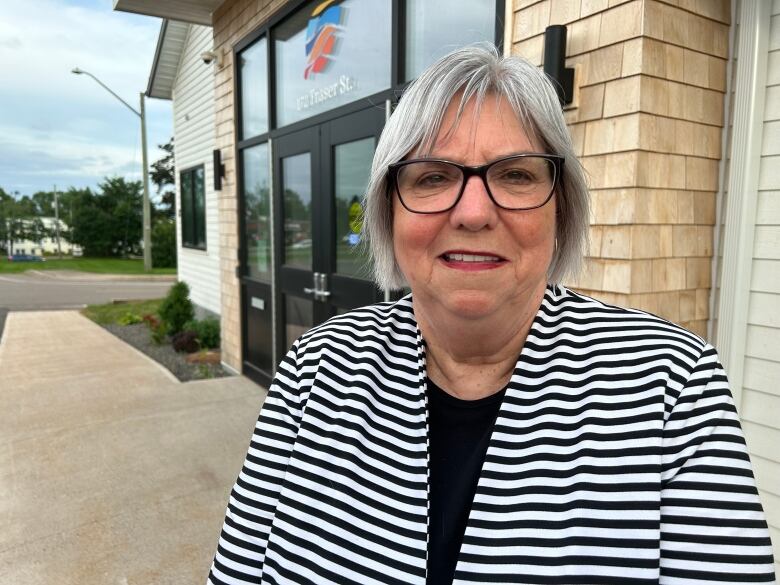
[(471, 359)]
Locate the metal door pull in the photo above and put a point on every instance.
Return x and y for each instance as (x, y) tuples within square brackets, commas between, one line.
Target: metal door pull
[(320, 285)]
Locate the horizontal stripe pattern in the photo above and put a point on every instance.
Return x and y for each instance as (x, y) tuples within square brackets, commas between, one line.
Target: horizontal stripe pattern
[(616, 457)]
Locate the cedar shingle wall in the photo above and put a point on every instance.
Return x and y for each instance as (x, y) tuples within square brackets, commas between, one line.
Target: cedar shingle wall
[(651, 79)]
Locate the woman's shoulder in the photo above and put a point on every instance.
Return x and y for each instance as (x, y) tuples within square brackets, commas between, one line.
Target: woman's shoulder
[(565, 308), (381, 322)]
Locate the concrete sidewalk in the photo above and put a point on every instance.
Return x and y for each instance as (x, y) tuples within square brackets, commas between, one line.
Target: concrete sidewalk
[(111, 471)]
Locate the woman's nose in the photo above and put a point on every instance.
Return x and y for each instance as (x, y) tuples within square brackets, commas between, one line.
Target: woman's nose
[(475, 209)]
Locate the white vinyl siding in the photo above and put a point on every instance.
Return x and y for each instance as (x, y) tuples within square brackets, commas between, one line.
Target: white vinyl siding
[(760, 407), (193, 113)]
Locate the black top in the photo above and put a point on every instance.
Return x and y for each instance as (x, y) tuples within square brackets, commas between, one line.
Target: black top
[(459, 435)]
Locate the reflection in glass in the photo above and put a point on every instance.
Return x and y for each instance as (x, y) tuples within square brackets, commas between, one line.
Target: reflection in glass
[(298, 318), (296, 187), (328, 56), (353, 164), (254, 89), (436, 27), (199, 206), (257, 215), (187, 229)]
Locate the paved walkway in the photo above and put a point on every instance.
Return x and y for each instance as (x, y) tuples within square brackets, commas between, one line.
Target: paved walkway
[(111, 471)]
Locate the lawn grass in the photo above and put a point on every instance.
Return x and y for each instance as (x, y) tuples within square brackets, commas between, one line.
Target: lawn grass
[(100, 265), (110, 313)]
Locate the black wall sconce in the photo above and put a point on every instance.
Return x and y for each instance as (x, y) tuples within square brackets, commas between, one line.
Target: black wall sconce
[(219, 170), (555, 63)]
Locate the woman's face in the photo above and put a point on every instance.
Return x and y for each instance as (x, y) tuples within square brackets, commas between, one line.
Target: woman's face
[(520, 244)]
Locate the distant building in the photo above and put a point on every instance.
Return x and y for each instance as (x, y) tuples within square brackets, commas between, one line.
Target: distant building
[(46, 244)]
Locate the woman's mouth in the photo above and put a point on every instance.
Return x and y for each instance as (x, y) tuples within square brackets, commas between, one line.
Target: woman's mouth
[(472, 260)]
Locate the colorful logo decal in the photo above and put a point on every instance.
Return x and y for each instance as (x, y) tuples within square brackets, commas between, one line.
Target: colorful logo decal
[(321, 37)]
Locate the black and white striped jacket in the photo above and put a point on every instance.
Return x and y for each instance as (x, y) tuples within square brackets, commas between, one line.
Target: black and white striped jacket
[(617, 457)]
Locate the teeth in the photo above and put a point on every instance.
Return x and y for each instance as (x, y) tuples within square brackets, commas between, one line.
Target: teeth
[(471, 258)]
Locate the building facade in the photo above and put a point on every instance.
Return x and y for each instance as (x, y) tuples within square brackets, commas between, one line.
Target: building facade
[(47, 243), (180, 74), (675, 117)]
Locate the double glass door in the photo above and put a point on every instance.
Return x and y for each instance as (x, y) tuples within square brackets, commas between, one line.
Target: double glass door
[(321, 174)]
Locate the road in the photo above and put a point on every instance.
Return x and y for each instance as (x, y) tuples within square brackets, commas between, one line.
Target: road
[(63, 289)]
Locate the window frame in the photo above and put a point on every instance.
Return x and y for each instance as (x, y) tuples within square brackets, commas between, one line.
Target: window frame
[(190, 209), (391, 94)]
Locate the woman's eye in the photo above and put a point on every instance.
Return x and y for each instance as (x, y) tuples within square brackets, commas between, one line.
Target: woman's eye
[(517, 176), (432, 180)]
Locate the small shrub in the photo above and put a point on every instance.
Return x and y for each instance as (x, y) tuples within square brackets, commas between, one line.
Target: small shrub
[(160, 333), (207, 330), (151, 321), (176, 309), (185, 341), (129, 318)]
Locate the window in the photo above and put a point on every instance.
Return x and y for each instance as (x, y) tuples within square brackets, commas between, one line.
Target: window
[(330, 54), (436, 27), (193, 208), (253, 77), (257, 217)]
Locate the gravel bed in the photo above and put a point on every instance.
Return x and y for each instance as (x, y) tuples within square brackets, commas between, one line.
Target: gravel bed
[(139, 337)]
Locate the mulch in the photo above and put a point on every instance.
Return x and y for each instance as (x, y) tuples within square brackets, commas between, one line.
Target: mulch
[(139, 337)]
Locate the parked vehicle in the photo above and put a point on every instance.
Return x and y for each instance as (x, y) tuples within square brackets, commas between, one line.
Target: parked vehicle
[(25, 258)]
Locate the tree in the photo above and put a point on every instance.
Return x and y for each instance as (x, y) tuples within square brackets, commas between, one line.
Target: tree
[(44, 203), (164, 178), (26, 207), (108, 223), (164, 243), (18, 221), (6, 204)]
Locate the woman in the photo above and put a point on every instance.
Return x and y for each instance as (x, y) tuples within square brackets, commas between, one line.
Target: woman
[(491, 427)]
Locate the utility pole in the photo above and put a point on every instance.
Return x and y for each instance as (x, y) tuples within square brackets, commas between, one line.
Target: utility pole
[(147, 210), (147, 228), (57, 221)]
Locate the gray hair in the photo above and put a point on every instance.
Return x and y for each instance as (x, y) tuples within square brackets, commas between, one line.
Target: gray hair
[(475, 72)]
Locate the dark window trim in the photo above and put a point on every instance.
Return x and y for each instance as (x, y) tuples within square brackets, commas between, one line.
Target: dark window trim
[(397, 73), (182, 172)]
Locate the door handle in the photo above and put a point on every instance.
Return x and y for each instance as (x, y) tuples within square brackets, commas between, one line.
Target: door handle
[(321, 280), (319, 291)]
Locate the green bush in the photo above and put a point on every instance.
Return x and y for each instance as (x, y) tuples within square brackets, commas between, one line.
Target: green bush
[(176, 309), (164, 243), (129, 318), (207, 331)]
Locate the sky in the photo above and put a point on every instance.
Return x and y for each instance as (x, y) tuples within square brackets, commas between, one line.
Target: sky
[(65, 130)]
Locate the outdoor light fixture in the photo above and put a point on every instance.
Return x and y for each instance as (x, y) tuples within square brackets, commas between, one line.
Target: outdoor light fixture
[(147, 210), (555, 63), (219, 170)]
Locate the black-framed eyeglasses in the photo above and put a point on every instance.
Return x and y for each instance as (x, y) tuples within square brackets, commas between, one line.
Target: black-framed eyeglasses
[(517, 182)]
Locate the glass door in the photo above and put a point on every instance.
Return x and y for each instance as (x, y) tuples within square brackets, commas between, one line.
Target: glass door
[(348, 146), (321, 174), (297, 198)]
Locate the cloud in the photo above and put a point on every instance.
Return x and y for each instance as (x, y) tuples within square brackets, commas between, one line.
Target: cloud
[(56, 127), (59, 36), (11, 43)]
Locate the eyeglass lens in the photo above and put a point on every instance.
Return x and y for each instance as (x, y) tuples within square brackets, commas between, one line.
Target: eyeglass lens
[(515, 183)]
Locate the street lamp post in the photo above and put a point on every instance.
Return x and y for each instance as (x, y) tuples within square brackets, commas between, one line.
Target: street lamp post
[(147, 211)]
